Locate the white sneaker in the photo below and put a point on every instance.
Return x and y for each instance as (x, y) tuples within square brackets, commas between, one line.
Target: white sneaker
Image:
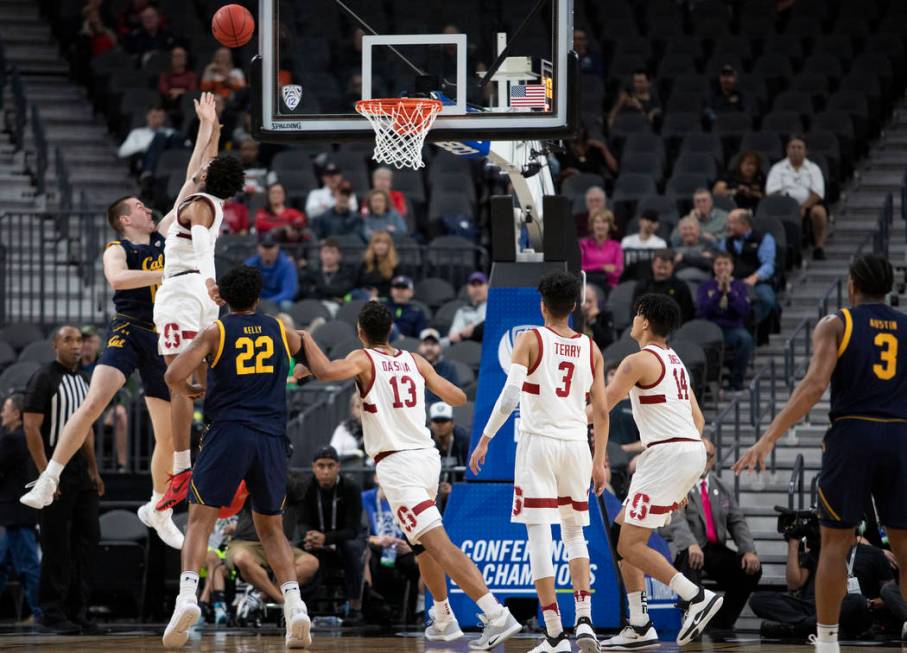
[(41, 493), (584, 634), (185, 614), (299, 628), (904, 632), (824, 647), (496, 630), (632, 638), (697, 615), (162, 522), (442, 632), (559, 644)]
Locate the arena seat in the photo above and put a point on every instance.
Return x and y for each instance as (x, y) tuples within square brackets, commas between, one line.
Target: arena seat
[(306, 310)]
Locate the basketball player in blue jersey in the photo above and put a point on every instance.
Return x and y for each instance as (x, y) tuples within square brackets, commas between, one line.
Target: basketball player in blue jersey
[(862, 352), (246, 410), (133, 266)]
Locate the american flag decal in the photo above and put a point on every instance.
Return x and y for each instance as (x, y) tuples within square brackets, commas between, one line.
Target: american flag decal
[(528, 95)]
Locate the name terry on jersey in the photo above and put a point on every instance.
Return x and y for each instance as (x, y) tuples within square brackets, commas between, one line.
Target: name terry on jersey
[(569, 351)]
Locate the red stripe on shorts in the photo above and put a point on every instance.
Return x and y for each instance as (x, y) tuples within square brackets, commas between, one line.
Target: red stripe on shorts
[(653, 399), (531, 388), (189, 335), (663, 510), (540, 503), (580, 506), (419, 508)]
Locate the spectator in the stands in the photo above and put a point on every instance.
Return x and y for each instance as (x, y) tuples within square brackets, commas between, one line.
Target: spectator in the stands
[(645, 238), (381, 216), (330, 521), (746, 183), (590, 59), (150, 36), (380, 264), (694, 255), (753, 254), (129, 18), (699, 533), (712, 220), (347, 437), (639, 97), (587, 154), (278, 272), (601, 255), (801, 179), (725, 301), (409, 319), (221, 76), (91, 351), (236, 217), (726, 96), (595, 200), (99, 37), (331, 280), (452, 442), (256, 171), (139, 138), (472, 314), (664, 282), (383, 179), (598, 323), (321, 199), (340, 219), (178, 79), (276, 214), (430, 350)]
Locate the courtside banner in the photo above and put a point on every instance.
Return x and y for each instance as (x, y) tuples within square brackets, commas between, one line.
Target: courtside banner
[(477, 518), (510, 312)]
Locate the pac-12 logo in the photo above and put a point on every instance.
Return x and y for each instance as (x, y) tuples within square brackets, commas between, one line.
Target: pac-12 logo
[(292, 94), (505, 346)]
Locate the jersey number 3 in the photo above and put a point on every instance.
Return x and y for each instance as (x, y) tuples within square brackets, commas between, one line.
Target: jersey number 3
[(888, 346), (264, 346), (568, 369)]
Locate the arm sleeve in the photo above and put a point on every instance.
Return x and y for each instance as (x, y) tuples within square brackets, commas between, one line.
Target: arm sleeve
[(204, 253), (766, 255), (507, 401)]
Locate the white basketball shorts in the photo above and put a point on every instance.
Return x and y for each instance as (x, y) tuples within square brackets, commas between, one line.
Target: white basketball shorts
[(665, 473), (409, 479), (182, 310), (551, 481)]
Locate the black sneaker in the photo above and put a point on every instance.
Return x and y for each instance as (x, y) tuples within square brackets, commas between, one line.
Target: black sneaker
[(61, 627)]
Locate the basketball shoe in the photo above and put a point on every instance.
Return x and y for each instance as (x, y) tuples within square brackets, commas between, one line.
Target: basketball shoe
[(632, 638), (442, 632), (185, 613), (559, 644), (177, 490), (824, 647), (162, 522), (41, 493), (496, 630), (584, 633), (299, 625), (697, 614)]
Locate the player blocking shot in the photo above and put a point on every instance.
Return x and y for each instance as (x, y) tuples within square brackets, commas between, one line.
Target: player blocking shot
[(248, 355), (670, 427), (553, 371), (861, 352), (392, 384)]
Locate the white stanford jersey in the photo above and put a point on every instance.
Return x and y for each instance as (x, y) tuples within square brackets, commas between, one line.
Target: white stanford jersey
[(393, 407), (663, 410), (553, 401), (178, 253)]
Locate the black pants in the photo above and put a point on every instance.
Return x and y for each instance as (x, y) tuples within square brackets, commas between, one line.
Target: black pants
[(894, 601), (789, 609), (70, 533), (722, 566), (350, 556)]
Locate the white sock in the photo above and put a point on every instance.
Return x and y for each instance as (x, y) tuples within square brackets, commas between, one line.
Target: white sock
[(155, 497), (181, 460), (582, 601), (639, 608), (443, 613), (489, 605), (552, 616), (53, 469), (188, 585), (290, 591), (827, 633), (684, 587)]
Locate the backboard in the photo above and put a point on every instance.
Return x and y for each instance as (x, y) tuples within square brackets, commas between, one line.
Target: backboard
[(504, 69)]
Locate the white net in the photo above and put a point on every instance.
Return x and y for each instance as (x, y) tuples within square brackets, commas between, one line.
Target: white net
[(400, 126)]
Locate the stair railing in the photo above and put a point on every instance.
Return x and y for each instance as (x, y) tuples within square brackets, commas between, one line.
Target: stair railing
[(762, 415), (795, 485), (728, 420)]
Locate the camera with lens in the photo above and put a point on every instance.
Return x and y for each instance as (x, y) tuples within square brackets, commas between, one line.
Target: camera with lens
[(798, 524)]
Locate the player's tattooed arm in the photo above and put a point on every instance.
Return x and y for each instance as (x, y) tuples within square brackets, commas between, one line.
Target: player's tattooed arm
[(120, 277), (179, 372)]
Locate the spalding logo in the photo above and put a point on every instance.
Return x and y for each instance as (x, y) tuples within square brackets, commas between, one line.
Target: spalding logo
[(292, 94), (505, 347)]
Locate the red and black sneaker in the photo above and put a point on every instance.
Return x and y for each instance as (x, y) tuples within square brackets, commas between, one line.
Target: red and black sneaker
[(177, 490)]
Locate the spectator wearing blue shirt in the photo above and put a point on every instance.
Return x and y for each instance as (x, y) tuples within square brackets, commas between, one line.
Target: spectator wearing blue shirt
[(753, 256), (724, 300), (381, 216), (409, 320), (278, 272)]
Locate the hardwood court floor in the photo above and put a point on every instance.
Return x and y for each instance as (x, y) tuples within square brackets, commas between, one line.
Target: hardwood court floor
[(271, 641)]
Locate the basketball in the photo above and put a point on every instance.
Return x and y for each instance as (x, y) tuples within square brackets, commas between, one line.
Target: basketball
[(233, 25)]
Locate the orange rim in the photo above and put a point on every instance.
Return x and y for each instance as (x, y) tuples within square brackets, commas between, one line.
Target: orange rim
[(388, 106)]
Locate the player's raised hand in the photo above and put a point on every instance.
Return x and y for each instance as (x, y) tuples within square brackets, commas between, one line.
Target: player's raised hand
[(477, 459), (206, 108), (754, 458)]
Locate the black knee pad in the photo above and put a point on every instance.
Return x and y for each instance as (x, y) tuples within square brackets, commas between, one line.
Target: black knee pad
[(418, 549), (615, 538)]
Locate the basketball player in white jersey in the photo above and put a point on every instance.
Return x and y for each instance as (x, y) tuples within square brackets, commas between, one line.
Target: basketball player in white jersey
[(670, 427), (553, 371), (187, 301), (408, 466)]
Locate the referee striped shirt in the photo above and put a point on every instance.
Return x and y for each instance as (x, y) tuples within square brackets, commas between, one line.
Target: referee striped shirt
[(55, 392)]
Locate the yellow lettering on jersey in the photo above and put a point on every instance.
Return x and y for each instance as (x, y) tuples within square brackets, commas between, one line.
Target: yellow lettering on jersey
[(252, 330), (152, 264), (888, 325), (116, 341)]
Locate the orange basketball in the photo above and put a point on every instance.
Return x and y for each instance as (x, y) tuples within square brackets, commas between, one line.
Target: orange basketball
[(233, 25)]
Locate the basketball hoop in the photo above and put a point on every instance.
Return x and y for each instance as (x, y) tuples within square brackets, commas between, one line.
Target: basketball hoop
[(400, 126)]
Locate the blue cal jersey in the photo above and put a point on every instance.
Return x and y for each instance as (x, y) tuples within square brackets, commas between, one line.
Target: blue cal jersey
[(138, 303), (870, 378), (247, 381)]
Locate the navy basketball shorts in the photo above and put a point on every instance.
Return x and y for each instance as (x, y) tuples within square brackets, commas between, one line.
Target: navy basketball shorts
[(863, 458), (234, 452), (131, 347)]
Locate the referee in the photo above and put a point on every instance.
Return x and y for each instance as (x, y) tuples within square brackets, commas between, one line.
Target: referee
[(69, 527)]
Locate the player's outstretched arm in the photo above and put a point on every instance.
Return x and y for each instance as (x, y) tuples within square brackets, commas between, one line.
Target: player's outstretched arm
[(601, 423), (447, 391), (325, 369), (120, 277), (179, 372), (826, 336)]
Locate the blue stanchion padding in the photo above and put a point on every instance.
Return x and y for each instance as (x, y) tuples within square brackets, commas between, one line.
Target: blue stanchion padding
[(477, 518)]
